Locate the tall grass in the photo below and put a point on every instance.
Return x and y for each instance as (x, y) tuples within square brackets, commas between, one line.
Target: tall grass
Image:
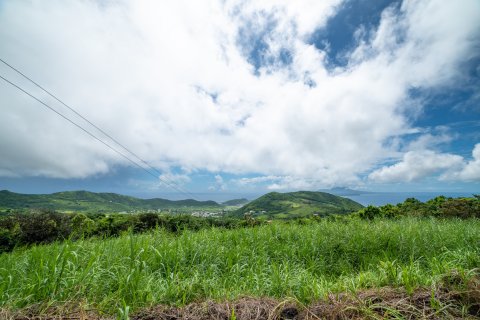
[(278, 260)]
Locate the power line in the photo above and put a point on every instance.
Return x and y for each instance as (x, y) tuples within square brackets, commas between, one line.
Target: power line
[(93, 125), (78, 114), (91, 134)]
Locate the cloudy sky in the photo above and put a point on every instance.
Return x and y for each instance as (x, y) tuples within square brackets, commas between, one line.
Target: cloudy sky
[(242, 96)]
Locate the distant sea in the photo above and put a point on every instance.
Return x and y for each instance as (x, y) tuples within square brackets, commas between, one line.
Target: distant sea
[(382, 198), (373, 198)]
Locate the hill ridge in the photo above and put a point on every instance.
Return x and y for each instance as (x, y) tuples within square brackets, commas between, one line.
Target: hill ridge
[(82, 200), (298, 204)]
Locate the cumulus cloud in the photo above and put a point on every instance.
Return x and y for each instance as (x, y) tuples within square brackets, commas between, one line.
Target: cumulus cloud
[(220, 184), (470, 171), (429, 140), (173, 81), (289, 182), (416, 165), (419, 164)]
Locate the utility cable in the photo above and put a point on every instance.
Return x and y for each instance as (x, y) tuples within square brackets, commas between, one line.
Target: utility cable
[(91, 134), (90, 122)]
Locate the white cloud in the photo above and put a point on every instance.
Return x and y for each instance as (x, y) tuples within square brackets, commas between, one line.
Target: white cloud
[(429, 140), (289, 182), (305, 15), (416, 165), (220, 184), (166, 181), (470, 171), (419, 164), (257, 180), (146, 72), (174, 178)]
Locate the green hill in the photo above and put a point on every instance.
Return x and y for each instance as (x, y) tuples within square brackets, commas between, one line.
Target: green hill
[(235, 202), (298, 204), (93, 202)]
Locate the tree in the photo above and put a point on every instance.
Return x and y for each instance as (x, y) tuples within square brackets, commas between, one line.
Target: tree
[(389, 211), (82, 225), (370, 212)]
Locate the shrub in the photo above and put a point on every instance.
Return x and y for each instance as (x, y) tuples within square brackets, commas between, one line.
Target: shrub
[(81, 225), (461, 208), (146, 221), (370, 212), (389, 211), (7, 241), (41, 226)]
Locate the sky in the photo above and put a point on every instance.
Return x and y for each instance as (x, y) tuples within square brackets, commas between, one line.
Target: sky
[(241, 97)]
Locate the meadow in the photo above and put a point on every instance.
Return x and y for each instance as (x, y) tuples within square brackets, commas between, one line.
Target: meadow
[(305, 260)]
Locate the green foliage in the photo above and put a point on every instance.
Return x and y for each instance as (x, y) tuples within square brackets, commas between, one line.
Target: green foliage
[(82, 226), (438, 207), (461, 208), (235, 202), (41, 226), (147, 221), (389, 211), (298, 204), (84, 201), (156, 258), (7, 240), (45, 226), (413, 207), (123, 312), (303, 259), (370, 213)]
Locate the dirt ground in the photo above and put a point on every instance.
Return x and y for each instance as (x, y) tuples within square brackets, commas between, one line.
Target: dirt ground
[(385, 303)]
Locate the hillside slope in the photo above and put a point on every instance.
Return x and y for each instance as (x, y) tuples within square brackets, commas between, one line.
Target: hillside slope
[(298, 204), (93, 202), (236, 202)]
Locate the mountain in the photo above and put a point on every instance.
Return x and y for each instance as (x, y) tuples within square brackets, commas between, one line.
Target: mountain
[(236, 202), (93, 202), (342, 191), (298, 204)]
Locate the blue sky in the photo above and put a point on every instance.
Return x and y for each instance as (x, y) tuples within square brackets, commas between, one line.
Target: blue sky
[(338, 36), (234, 98)]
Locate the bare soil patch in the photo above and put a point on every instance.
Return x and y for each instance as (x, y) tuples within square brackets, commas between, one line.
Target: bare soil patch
[(447, 301)]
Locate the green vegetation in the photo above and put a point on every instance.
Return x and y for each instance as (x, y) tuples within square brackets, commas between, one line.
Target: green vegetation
[(437, 207), (120, 263), (298, 204), (303, 259), (84, 201), (236, 202), (46, 226)]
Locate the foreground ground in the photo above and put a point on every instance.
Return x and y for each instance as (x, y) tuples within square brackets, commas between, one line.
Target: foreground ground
[(427, 268), (450, 299)]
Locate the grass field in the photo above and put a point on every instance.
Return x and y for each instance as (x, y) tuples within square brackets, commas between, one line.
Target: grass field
[(305, 262)]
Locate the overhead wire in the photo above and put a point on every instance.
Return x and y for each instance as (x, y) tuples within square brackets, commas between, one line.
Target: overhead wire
[(168, 183), (91, 123), (80, 115)]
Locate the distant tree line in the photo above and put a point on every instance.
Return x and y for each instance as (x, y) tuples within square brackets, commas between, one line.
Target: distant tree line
[(42, 226), (23, 228), (441, 207)]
